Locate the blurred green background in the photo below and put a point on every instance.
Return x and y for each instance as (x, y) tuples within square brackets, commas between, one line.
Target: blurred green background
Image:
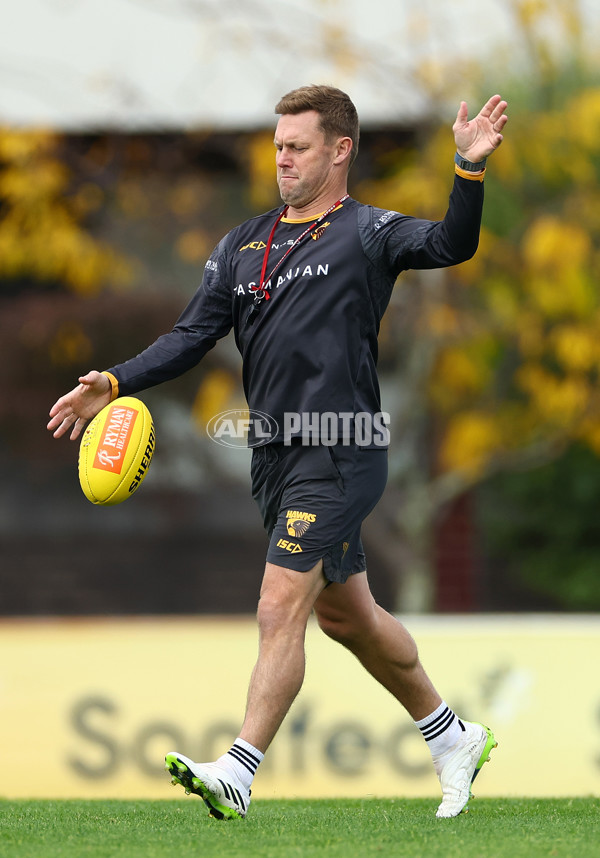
[(110, 203)]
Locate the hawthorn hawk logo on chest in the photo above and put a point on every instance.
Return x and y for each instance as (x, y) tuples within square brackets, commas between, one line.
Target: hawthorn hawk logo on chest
[(316, 235)]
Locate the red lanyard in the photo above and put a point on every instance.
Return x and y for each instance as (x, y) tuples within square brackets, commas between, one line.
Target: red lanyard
[(261, 291)]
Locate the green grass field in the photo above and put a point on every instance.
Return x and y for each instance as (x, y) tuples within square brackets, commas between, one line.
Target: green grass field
[(346, 828)]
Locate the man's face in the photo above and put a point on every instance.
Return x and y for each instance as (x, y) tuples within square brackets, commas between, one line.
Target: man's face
[(304, 159)]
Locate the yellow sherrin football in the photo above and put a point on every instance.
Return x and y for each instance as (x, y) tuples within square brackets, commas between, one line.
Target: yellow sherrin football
[(115, 451)]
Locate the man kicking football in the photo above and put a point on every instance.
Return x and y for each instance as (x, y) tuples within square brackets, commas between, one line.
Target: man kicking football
[(304, 288)]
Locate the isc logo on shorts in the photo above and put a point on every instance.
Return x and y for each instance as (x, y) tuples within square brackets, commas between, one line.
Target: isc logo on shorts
[(292, 547)]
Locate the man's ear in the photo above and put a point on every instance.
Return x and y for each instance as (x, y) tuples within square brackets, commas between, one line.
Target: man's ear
[(342, 150)]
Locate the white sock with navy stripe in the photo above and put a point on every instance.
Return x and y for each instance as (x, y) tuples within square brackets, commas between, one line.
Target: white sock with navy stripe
[(242, 761), (441, 730)]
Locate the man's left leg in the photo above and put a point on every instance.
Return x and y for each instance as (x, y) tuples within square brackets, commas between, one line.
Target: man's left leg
[(349, 614)]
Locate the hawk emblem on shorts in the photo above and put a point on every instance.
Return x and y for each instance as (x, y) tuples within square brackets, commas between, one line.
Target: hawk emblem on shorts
[(298, 522), (298, 527)]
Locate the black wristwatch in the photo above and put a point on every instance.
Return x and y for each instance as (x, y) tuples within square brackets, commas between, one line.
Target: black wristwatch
[(469, 166)]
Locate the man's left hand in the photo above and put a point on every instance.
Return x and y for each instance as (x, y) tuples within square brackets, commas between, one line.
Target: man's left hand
[(477, 138)]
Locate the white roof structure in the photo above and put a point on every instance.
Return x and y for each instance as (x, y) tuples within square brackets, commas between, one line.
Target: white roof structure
[(156, 65)]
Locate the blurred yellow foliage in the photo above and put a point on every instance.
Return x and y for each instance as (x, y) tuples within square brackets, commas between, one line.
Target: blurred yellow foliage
[(555, 295), (583, 119), (577, 347), (589, 433), (192, 246), (555, 247), (459, 371), (529, 11), (513, 335), (19, 147), (503, 302), (530, 335), (558, 400), (260, 160), (218, 392), (470, 439), (441, 320), (132, 199), (41, 234), (184, 199), (88, 198)]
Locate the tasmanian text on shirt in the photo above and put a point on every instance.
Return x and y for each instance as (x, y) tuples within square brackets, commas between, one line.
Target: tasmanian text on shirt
[(291, 274)]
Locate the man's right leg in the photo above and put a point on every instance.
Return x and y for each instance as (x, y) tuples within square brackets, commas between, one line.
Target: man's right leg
[(286, 601), (287, 598)]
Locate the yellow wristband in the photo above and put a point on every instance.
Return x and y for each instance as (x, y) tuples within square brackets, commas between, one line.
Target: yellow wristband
[(465, 174), (114, 385)]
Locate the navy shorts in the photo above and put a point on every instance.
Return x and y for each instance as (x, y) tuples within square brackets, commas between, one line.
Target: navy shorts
[(313, 501)]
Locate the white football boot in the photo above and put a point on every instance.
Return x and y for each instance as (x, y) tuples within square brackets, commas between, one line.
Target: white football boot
[(458, 767), (224, 796)]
